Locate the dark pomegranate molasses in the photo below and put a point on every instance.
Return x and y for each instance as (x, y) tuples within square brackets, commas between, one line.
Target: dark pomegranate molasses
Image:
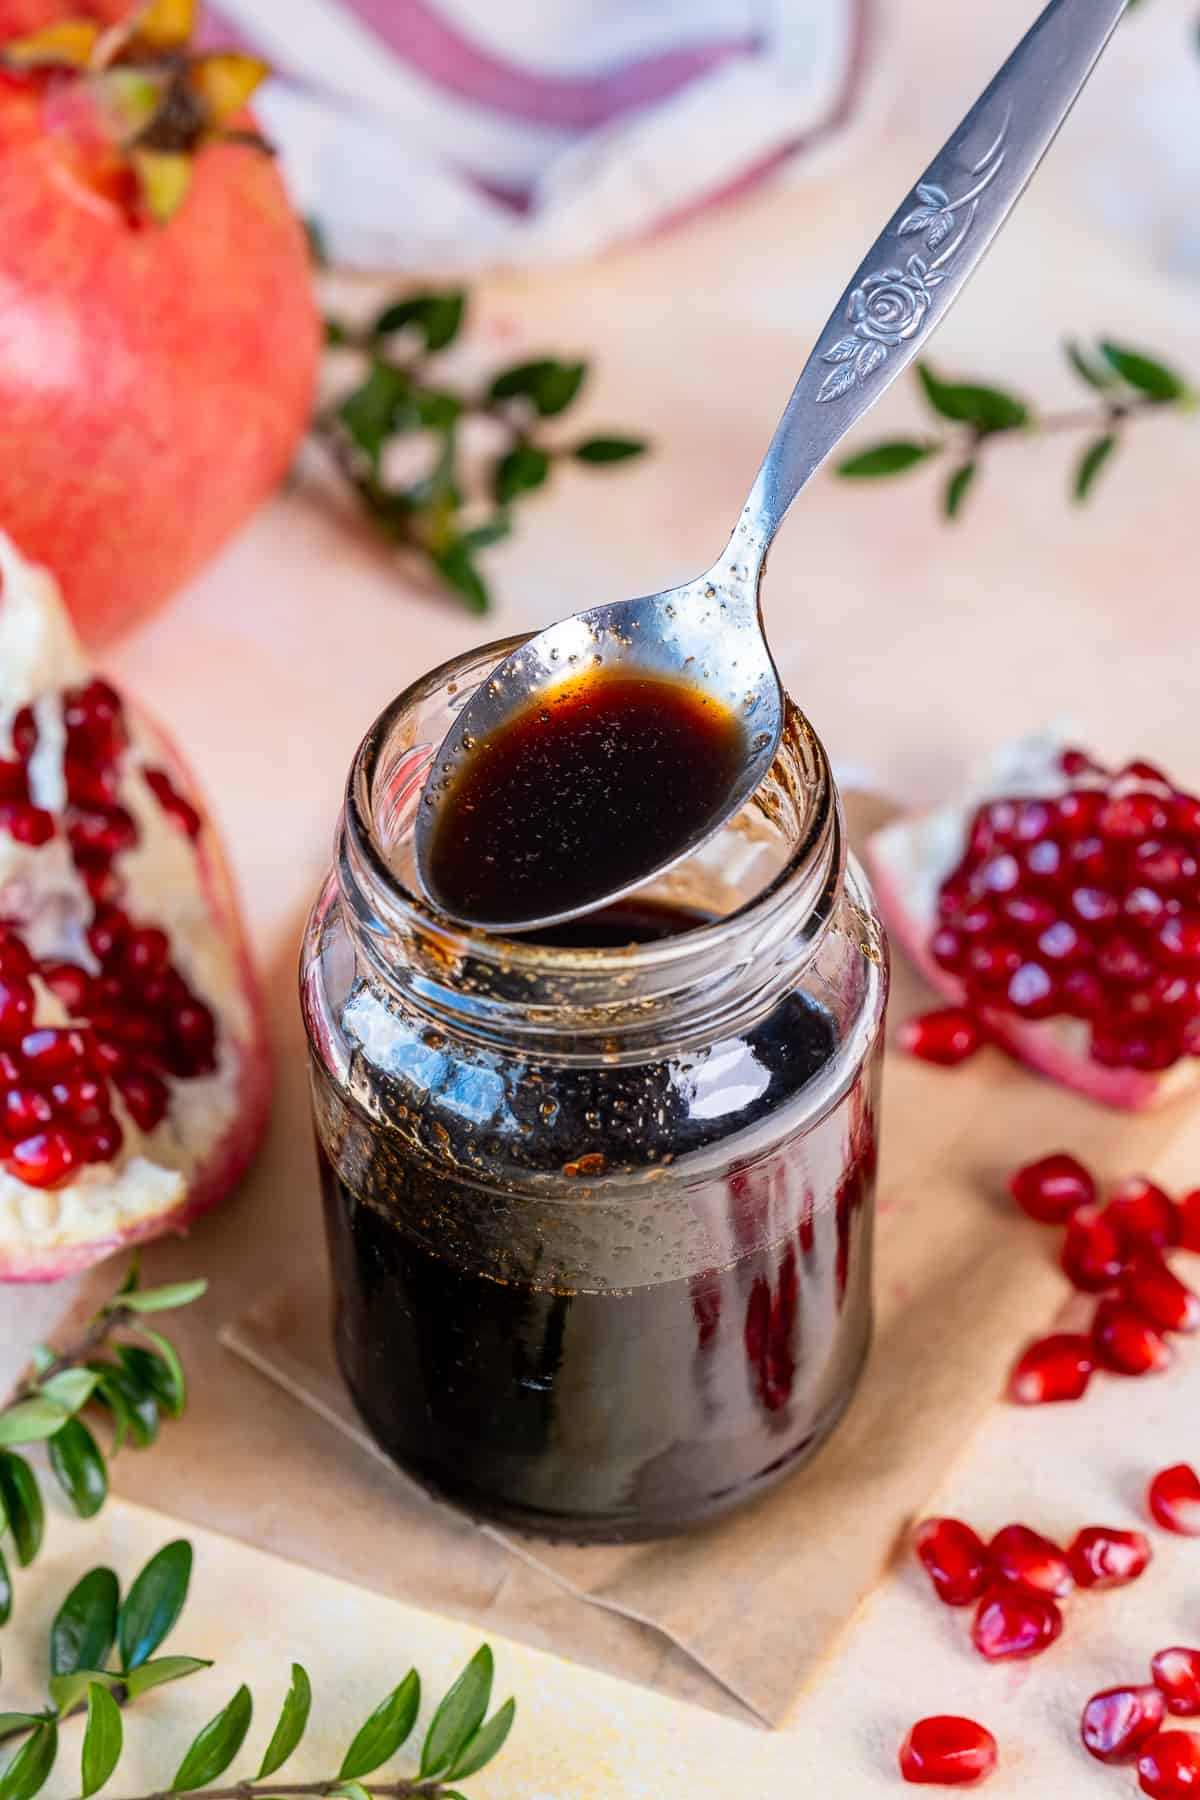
[(580, 791)]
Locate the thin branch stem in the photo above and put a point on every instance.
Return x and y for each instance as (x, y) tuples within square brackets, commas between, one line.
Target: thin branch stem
[(252, 1790), (76, 1354)]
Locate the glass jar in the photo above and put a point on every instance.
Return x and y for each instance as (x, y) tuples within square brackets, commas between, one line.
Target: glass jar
[(599, 1211)]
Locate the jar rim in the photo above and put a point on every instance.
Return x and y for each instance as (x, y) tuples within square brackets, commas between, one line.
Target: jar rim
[(409, 911)]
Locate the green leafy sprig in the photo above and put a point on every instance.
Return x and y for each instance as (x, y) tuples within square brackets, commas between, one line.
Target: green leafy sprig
[(399, 391), (137, 1384), (1127, 384), (94, 1625)]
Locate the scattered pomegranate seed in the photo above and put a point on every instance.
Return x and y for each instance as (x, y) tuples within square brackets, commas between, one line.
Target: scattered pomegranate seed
[(1174, 1499), (1093, 1252), (1101, 1557), (1050, 1189), (947, 1037), (1160, 1296), (1021, 1555), (1143, 1214), (1126, 1342), (1014, 1622), (1118, 1722), (954, 1558), (1187, 1212), (1053, 1368), (46, 1159), (1169, 1766), (946, 1751), (1177, 1672)]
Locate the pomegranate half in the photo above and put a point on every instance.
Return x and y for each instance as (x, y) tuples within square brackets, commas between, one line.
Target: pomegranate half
[(134, 1073), (1059, 902)]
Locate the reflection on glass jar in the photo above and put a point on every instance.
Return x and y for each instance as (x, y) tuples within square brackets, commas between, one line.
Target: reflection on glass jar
[(598, 1208)]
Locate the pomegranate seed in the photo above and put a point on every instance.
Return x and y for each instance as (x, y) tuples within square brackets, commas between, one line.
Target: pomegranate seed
[(173, 803), (1127, 1343), (1143, 1214), (1054, 1368), (1174, 1500), (1032, 991), (146, 950), (83, 1100), (108, 1056), (993, 962), (1061, 943), (1177, 937), (145, 1096), (16, 1008), (1043, 861), (25, 733), (46, 1159), (1050, 1189), (1082, 993), (1000, 874), (107, 830), (54, 1051), (88, 785), (69, 983), (1177, 1673), (1075, 813), (25, 1111), (1169, 1766), (1030, 914), (1093, 905), (10, 1069), (1132, 816), (946, 1751), (1103, 1557), (1165, 865), (1185, 815), (27, 824), (1093, 1252), (93, 717), (14, 957), (107, 931), (1023, 1556), (1117, 1722), (1145, 906), (1187, 1214), (954, 1558), (1120, 961), (1015, 1623), (103, 1140), (1078, 762), (1160, 1296), (947, 1037), (14, 782), (191, 1036)]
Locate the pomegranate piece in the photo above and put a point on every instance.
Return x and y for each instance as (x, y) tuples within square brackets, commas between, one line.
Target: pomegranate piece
[(954, 1558), (1159, 1295), (1143, 1214), (1169, 1766), (1053, 1368), (947, 1037), (1018, 1554), (1015, 1622), (1118, 1722), (1174, 1500), (1177, 1674), (1051, 1189), (143, 953), (1126, 1342), (946, 1751), (1187, 1213), (1089, 877), (1093, 1252), (1102, 1557)]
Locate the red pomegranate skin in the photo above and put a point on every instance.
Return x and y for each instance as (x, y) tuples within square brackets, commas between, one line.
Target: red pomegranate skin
[(154, 380)]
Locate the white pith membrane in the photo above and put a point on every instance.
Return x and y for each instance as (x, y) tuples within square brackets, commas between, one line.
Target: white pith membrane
[(909, 861), (166, 880)]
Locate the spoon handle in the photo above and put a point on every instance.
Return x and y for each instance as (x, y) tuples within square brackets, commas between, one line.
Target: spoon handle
[(929, 249)]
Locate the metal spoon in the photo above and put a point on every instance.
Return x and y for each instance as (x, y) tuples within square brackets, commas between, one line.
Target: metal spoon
[(709, 631)]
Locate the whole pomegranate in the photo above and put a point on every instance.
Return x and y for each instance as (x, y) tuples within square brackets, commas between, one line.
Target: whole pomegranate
[(134, 1076), (158, 335)]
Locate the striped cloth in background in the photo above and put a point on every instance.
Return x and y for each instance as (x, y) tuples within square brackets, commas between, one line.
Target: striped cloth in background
[(453, 134)]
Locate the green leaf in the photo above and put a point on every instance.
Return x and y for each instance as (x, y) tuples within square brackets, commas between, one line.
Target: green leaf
[(154, 1602), (550, 386), (157, 1373), (13, 1722), (457, 569), (102, 1740), (31, 1420), (6, 1593), (42, 1357), (70, 1388), (69, 1691), (384, 1732), (1094, 373), (163, 1669), (460, 1714), (886, 459), (21, 1501), (987, 409), (608, 449), (214, 1748), (353, 1790), (437, 410), (956, 489), (134, 1410), (85, 1625), (372, 411), (292, 1721), (31, 1766), (492, 531), (523, 468), (164, 1299), (1091, 463), (438, 317), (79, 1466), (133, 1276), (1142, 372), (487, 1742)]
